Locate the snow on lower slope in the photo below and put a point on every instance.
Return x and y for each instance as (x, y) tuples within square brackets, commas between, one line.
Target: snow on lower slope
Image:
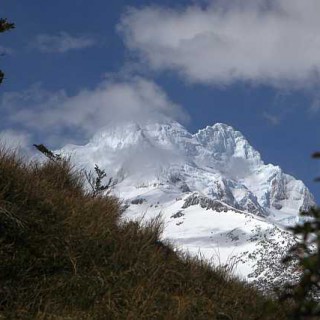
[(223, 238)]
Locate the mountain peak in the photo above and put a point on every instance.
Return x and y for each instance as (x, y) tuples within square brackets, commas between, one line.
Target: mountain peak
[(222, 126), (225, 142)]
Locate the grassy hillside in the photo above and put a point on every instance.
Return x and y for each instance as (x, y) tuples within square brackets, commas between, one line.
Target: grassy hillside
[(64, 255)]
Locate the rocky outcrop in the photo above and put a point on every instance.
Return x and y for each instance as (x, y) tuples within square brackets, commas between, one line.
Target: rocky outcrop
[(207, 203)]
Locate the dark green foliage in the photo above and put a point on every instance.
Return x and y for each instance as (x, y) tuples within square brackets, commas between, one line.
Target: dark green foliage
[(65, 255), (316, 155), (306, 293), (306, 253), (4, 26), (48, 153), (1, 76)]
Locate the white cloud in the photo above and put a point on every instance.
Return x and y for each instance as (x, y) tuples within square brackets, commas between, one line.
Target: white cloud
[(275, 42), (62, 42), (59, 119), (272, 119), (16, 141), (6, 51), (315, 105)]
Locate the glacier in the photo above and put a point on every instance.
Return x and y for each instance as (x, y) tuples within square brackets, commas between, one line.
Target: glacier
[(216, 196)]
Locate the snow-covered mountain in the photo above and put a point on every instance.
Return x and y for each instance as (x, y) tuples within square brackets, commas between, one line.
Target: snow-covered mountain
[(212, 188)]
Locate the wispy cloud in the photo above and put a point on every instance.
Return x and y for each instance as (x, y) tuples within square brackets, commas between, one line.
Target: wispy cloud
[(62, 42), (59, 118), (271, 118), (6, 51), (16, 140), (315, 103), (275, 43)]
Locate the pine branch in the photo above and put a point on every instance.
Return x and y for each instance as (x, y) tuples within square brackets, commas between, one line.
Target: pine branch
[(96, 184), (5, 25), (48, 153)]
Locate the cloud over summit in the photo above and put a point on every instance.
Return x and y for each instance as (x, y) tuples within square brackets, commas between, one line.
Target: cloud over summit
[(275, 43), (60, 118)]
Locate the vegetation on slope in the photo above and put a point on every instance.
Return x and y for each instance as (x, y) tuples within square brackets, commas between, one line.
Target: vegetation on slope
[(4, 26), (65, 255)]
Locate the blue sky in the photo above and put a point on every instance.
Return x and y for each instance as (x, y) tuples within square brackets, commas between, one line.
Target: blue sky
[(72, 66)]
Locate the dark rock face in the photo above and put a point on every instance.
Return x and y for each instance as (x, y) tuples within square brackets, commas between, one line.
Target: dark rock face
[(222, 192), (184, 188), (250, 204), (283, 192), (179, 214), (278, 191), (138, 201), (207, 203), (308, 201)]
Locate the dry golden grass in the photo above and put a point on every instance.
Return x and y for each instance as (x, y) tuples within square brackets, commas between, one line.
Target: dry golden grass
[(64, 255)]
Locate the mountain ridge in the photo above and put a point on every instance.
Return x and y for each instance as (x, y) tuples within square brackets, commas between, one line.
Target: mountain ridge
[(213, 159)]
